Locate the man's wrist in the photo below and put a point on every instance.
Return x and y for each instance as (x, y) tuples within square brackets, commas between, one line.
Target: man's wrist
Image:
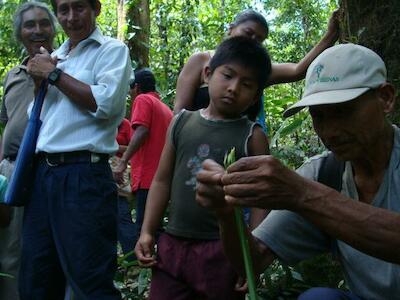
[(54, 76), (123, 160), (330, 37)]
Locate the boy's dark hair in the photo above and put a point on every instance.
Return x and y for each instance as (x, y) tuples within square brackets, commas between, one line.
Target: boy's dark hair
[(92, 4), (145, 79), (250, 54), (250, 15)]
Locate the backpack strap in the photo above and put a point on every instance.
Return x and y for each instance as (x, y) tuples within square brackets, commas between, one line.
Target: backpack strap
[(331, 172)]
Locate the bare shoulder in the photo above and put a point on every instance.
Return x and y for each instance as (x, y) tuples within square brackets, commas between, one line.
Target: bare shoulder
[(199, 59)]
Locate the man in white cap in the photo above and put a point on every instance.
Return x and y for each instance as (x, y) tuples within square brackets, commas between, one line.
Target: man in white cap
[(348, 98)]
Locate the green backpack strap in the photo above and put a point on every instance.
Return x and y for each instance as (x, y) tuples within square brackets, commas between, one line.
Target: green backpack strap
[(331, 172)]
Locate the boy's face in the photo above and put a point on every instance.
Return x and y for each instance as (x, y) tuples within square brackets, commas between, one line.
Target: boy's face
[(232, 88)]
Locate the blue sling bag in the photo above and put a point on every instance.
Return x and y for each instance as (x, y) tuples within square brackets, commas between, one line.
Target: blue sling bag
[(22, 179)]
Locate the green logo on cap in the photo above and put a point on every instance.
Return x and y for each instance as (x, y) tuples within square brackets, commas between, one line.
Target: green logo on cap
[(316, 76)]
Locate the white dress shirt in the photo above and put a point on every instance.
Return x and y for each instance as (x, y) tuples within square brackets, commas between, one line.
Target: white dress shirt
[(104, 64)]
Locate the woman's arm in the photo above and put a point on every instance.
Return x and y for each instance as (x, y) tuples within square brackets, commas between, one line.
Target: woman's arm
[(189, 80), (290, 72)]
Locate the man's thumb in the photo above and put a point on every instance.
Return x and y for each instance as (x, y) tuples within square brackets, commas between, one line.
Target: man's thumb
[(43, 50)]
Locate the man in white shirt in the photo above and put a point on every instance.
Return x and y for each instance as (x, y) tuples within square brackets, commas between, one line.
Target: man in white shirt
[(69, 233)]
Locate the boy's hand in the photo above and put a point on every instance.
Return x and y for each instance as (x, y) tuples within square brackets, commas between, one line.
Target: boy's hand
[(241, 285), (144, 250)]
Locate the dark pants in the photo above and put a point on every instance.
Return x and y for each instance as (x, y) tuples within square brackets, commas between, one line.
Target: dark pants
[(70, 234), (190, 269), (320, 293), (126, 228), (141, 197)]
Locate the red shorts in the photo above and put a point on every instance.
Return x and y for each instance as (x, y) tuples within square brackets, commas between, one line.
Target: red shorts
[(189, 269)]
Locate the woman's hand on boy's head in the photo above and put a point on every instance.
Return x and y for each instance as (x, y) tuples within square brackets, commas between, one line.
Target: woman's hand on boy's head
[(209, 191), (333, 24), (144, 251)]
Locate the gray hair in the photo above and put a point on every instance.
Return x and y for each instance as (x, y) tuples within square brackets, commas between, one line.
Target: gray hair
[(28, 6)]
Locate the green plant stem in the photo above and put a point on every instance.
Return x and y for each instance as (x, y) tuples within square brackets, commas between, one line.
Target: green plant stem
[(244, 244)]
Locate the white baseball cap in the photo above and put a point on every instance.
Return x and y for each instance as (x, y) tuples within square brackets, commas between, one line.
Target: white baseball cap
[(340, 74)]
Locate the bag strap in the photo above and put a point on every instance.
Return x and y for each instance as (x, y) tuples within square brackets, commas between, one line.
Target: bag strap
[(331, 172)]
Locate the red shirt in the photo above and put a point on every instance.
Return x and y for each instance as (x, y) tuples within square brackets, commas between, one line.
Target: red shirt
[(124, 134), (149, 111)]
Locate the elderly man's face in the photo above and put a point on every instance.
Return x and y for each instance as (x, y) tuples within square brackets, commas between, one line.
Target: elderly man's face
[(36, 31), (349, 128), (77, 18)]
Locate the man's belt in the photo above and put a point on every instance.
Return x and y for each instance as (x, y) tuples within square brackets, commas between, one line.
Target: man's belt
[(55, 159)]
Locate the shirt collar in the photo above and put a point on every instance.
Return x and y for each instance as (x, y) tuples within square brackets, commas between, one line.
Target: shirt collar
[(22, 66), (95, 36)]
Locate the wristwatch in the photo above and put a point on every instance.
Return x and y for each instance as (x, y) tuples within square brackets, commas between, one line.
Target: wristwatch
[(54, 76)]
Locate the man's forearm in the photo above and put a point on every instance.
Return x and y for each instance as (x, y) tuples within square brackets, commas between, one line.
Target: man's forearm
[(137, 140), (78, 92), (372, 230)]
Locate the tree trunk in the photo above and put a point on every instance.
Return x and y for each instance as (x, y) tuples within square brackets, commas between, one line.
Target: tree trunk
[(374, 24), (138, 19), (121, 20)]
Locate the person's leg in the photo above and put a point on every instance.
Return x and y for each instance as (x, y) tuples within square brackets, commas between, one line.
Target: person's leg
[(84, 226), (166, 281), (40, 276), (10, 244), (164, 286), (126, 228), (140, 198), (209, 272), (319, 293)]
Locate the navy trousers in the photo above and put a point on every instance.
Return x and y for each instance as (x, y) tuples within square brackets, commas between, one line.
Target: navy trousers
[(70, 234), (141, 197), (126, 227)]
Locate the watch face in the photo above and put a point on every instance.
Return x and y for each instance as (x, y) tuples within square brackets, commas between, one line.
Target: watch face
[(54, 75)]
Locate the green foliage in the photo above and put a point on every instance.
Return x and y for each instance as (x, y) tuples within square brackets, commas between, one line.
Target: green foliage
[(295, 27), (10, 51), (107, 21), (180, 28)]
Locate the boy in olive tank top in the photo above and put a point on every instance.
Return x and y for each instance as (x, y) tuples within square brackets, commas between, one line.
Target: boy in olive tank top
[(190, 263)]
